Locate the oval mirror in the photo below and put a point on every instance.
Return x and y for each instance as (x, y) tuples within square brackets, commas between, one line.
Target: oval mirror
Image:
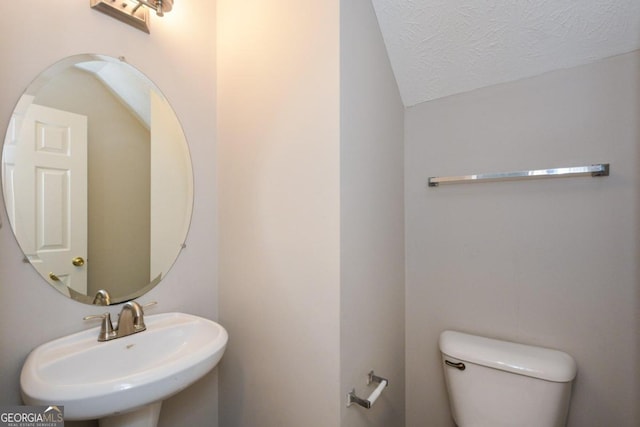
[(97, 179)]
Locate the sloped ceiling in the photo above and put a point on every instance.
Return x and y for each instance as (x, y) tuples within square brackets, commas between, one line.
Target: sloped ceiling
[(442, 47)]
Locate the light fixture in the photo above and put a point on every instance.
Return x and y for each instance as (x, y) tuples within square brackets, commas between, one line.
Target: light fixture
[(160, 6), (131, 11)]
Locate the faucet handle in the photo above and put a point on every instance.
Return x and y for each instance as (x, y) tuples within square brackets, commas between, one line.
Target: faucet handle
[(106, 329), (94, 316), (149, 304)]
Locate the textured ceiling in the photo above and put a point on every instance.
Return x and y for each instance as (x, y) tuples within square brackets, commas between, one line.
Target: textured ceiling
[(442, 47)]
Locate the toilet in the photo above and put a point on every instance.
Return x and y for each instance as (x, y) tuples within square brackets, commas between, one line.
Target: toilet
[(493, 383)]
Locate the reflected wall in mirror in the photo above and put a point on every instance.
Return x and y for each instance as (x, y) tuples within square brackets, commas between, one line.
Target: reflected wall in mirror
[(97, 179)]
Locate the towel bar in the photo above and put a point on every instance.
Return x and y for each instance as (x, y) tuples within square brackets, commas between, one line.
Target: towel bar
[(601, 169), (367, 403)]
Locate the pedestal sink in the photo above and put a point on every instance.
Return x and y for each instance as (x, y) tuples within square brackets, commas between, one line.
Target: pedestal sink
[(122, 382)]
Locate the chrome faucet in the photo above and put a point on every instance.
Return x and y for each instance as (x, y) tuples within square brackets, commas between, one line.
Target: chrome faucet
[(130, 321), (102, 298)]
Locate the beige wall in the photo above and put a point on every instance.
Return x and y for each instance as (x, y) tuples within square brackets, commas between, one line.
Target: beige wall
[(548, 262), (171, 186), (179, 56), (371, 220), (312, 271), (279, 212)]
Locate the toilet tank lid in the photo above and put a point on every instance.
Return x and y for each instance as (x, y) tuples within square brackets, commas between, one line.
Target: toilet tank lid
[(532, 361)]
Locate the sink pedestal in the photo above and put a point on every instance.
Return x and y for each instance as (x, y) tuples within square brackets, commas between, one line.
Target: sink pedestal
[(147, 416)]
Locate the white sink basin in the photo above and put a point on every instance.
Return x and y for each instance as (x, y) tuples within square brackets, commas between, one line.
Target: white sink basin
[(99, 379)]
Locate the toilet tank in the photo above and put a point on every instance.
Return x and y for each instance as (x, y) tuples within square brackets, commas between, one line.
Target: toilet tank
[(493, 383)]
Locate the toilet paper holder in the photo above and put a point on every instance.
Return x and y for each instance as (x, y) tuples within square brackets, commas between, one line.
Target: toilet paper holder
[(367, 403)]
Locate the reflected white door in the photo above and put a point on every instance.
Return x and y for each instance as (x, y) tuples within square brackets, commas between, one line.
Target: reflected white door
[(49, 192)]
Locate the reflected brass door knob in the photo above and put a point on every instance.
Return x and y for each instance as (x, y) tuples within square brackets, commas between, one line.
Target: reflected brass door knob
[(53, 277), (78, 261)]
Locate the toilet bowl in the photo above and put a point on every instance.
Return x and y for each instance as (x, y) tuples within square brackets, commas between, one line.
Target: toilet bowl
[(493, 383)]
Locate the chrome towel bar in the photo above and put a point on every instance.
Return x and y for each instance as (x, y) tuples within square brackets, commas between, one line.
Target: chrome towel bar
[(601, 169), (367, 403)]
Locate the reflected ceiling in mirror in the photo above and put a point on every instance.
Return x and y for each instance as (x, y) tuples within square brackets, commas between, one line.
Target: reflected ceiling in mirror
[(97, 179)]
